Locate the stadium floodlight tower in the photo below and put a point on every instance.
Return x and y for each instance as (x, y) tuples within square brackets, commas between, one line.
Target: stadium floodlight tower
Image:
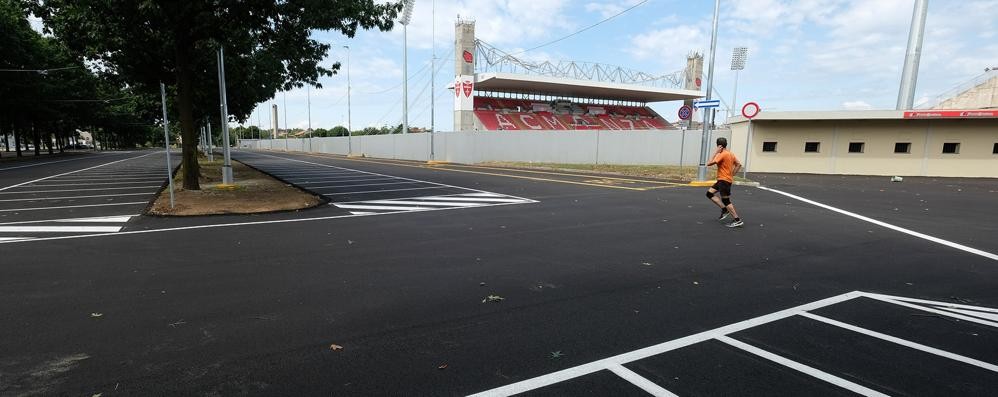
[(406, 17), (738, 57)]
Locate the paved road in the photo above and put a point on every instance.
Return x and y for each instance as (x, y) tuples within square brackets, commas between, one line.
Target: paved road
[(605, 291)]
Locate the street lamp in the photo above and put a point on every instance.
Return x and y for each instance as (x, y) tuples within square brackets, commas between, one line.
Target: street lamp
[(406, 16), (738, 57), (705, 139), (349, 125)]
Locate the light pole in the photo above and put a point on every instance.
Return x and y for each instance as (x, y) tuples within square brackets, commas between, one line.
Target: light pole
[(738, 58), (349, 125), (909, 74), (406, 17), (285, 93), (308, 102), (705, 139), (433, 71), (227, 164)]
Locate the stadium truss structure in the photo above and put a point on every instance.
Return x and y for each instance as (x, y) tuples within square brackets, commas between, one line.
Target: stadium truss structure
[(492, 59)]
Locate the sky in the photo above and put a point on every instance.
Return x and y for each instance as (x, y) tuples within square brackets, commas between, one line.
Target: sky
[(803, 54)]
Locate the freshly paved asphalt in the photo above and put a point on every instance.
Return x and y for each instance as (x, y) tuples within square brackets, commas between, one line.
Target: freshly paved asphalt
[(586, 273)]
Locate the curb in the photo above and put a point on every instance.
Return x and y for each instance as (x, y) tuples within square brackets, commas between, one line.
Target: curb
[(702, 183)]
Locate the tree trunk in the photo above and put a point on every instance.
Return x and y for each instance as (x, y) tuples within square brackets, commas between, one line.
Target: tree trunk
[(185, 106), (17, 141), (48, 141), (37, 140)]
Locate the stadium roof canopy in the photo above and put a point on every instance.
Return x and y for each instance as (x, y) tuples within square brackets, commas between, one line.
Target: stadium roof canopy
[(545, 85)]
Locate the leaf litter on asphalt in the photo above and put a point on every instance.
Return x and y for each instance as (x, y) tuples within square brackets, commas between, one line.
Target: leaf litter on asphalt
[(493, 298)]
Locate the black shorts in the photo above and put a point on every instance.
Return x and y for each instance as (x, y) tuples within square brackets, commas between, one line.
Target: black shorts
[(724, 187)]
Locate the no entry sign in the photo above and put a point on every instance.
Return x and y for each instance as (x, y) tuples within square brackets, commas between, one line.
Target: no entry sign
[(751, 110)]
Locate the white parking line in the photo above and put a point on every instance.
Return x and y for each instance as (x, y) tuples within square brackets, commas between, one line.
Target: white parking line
[(98, 219), (73, 172), (59, 229), (937, 240), (418, 203), (640, 381), (932, 310), (117, 178), (365, 184), (81, 190), (902, 342), (827, 377), (74, 197), (344, 179), (53, 162), (92, 184), (385, 190), (379, 207), (483, 200), (72, 206)]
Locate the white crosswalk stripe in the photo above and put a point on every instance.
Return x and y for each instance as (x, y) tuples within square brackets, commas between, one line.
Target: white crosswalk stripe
[(26, 230), (428, 203)]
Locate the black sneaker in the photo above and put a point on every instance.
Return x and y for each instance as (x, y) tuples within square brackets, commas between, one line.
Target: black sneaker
[(724, 214), (736, 224)]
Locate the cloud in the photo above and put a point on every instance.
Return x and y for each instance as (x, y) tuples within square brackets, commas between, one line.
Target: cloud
[(608, 9), (670, 45), (856, 105), (497, 22)]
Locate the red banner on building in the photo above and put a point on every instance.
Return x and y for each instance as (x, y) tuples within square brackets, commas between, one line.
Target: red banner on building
[(950, 114)]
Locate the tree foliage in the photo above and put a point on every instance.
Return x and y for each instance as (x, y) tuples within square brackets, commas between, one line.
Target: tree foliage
[(47, 94), (268, 47)]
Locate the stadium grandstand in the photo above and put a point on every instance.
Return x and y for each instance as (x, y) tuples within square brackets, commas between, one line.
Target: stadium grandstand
[(497, 91)]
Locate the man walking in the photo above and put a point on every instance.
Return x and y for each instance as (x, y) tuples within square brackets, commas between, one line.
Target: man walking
[(727, 167)]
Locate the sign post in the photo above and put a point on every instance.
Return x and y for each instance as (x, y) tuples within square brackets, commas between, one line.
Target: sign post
[(750, 110), (685, 113)]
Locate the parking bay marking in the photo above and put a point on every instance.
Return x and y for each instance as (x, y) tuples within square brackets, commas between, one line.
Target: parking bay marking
[(722, 334)]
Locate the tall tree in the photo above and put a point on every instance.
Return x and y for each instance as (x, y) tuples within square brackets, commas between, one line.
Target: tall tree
[(267, 45)]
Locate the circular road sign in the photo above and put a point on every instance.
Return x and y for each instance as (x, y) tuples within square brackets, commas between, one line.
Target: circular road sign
[(751, 110), (685, 112)]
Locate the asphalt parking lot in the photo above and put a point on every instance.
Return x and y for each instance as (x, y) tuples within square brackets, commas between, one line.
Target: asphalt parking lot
[(529, 283)]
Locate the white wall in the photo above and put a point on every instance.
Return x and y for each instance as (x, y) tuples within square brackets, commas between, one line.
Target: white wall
[(575, 147)]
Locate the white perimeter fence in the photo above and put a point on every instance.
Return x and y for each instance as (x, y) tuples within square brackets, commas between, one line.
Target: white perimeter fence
[(470, 147)]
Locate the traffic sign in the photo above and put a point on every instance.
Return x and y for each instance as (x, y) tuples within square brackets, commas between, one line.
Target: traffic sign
[(685, 112), (712, 103), (751, 110)]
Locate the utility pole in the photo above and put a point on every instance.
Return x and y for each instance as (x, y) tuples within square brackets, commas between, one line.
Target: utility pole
[(705, 139), (286, 131), (909, 74), (308, 102)]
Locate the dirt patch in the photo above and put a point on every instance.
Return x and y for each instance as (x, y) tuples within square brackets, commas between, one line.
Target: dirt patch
[(254, 192)]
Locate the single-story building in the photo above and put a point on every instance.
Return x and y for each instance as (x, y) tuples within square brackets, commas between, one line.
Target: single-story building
[(954, 143)]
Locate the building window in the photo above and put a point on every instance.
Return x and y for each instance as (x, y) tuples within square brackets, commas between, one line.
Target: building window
[(811, 147), (769, 146), (856, 147), (995, 149), (902, 147), (951, 148)]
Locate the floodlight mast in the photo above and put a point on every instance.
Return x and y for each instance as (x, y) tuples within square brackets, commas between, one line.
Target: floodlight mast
[(738, 57), (404, 20)]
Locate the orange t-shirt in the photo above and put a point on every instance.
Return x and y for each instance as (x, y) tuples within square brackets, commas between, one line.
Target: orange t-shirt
[(725, 165)]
